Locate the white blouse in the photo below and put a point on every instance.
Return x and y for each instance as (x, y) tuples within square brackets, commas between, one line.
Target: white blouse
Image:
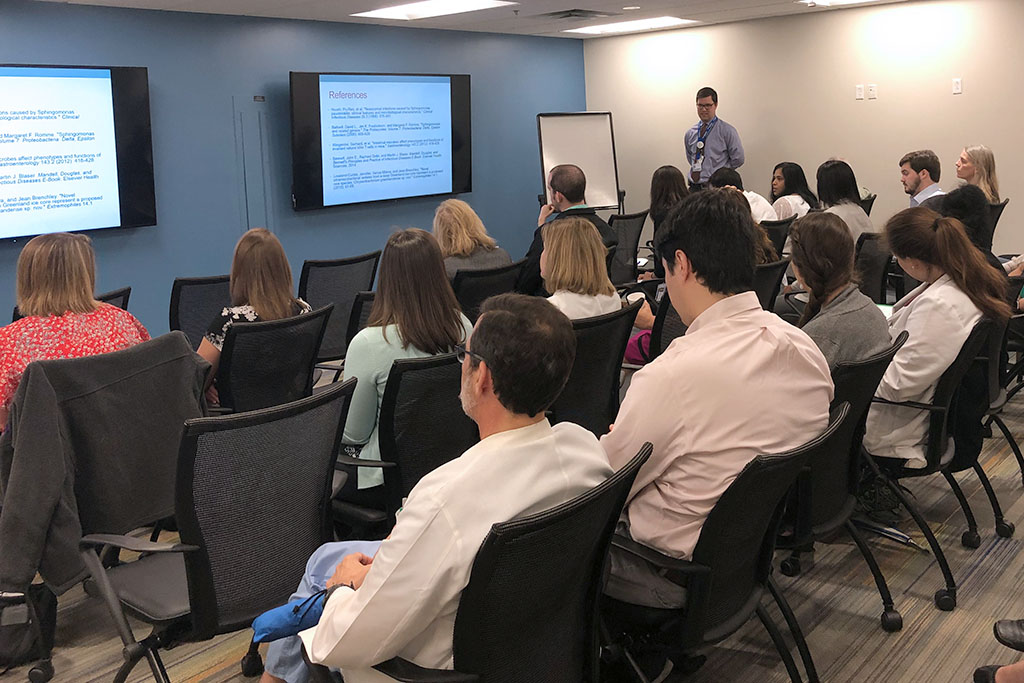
[(791, 205), (579, 306)]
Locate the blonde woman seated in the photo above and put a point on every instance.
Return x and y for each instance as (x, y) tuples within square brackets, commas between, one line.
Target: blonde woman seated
[(261, 289), (574, 267), (977, 166), (464, 242), (56, 277)]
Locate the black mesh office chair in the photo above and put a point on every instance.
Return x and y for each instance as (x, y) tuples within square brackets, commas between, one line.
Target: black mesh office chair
[(998, 380), (473, 287), (868, 202), (778, 231), (872, 266), (251, 502), (116, 297), (995, 212), (527, 614), (360, 316), (826, 493), (421, 427), (269, 363), (628, 228), (590, 397), (731, 565), (338, 282), (768, 282), (667, 326), (195, 302)]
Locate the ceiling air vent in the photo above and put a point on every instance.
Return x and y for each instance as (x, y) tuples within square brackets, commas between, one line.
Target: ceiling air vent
[(577, 14)]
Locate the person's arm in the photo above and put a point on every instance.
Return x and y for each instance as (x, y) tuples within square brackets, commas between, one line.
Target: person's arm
[(362, 362), (530, 281), (688, 147), (211, 354), (783, 208), (736, 156)]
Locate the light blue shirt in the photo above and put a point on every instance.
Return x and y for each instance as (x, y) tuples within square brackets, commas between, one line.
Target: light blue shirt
[(926, 193), (722, 149)]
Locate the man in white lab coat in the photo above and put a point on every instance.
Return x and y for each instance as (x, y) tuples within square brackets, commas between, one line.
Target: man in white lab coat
[(401, 599)]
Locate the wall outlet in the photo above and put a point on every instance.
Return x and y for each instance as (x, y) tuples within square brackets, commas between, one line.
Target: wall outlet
[(872, 91), (859, 91), (958, 86)]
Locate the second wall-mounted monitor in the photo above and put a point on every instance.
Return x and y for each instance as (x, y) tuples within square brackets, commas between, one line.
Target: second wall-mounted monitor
[(372, 137)]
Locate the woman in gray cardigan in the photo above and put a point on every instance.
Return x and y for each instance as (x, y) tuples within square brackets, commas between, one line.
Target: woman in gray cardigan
[(844, 323), (465, 244)]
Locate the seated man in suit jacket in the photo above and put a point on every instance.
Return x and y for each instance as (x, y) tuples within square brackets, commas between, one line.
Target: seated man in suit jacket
[(566, 187)]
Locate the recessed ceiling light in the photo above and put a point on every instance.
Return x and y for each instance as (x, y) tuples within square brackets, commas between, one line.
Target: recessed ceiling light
[(432, 8), (830, 3), (637, 25)]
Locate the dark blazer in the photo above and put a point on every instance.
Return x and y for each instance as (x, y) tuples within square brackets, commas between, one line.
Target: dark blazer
[(530, 281), (91, 447)]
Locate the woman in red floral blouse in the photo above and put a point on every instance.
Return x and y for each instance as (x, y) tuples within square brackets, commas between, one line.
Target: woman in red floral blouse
[(55, 281)]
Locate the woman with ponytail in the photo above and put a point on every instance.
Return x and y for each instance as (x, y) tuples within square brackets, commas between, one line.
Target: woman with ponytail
[(958, 289), (845, 324)]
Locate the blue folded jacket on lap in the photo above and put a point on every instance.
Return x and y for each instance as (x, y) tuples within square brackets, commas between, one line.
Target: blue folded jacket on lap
[(288, 620)]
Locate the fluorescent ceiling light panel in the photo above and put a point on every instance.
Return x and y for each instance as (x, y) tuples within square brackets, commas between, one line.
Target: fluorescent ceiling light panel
[(830, 3), (637, 25), (432, 8)]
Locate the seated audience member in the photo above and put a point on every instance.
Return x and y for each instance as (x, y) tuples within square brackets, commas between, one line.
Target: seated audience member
[(977, 166), (464, 242), (958, 289), (760, 208), (739, 383), (574, 268), (668, 188), (399, 597), (55, 280), (566, 187), (919, 173), (846, 325), (790, 194), (969, 205), (414, 315), (839, 195), (261, 289)]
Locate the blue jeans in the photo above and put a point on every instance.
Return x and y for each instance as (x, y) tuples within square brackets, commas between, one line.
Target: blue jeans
[(284, 657)]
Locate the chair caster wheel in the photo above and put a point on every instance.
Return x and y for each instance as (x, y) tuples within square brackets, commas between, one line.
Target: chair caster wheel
[(252, 665), (945, 599), (790, 566), (1004, 529), (41, 672), (892, 621), (970, 539)]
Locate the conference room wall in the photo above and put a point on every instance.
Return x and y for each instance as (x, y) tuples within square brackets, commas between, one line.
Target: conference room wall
[(198, 63), (787, 84)]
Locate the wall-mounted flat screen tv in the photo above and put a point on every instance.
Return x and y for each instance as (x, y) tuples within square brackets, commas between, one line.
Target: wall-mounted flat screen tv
[(360, 137), (76, 149)]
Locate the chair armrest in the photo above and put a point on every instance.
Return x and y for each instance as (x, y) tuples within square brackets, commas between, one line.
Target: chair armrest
[(656, 558), (138, 545), (219, 410), (362, 462), (407, 672), (910, 404), (631, 366)]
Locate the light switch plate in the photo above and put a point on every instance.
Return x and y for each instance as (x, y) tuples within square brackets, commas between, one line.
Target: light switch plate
[(859, 91), (872, 91)]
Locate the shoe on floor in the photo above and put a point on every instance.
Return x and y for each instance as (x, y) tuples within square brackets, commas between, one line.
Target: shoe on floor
[(1010, 632), (985, 674)]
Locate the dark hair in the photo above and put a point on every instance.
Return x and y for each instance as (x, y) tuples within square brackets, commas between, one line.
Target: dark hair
[(726, 176), (529, 347), (923, 234), (969, 205), (668, 188), (414, 293), (823, 253), (717, 234), (570, 181), (923, 160), (796, 183), (837, 184), (708, 92)]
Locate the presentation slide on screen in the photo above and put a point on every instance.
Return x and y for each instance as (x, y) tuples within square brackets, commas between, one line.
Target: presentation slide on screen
[(384, 137), (58, 162)]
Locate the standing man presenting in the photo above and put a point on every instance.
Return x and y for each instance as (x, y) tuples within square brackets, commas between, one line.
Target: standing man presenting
[(712, 143)]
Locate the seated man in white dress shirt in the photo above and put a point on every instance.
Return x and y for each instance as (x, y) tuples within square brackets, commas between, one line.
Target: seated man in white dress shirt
[(739, 383), (399, 597), (919, 173)]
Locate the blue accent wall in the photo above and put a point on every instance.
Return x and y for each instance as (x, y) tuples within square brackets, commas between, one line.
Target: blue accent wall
[(203, 73)]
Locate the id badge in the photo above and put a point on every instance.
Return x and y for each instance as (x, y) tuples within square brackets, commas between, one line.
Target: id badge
[(698, 164)]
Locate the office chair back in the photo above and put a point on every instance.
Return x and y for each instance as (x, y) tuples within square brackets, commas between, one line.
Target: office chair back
[(590, 397), (738, 538), (768, 282), (872, 266), (627, 227), (473, 287), (667, 326), (268, 363), (195, 302), (253, 494), (422, 425), (116, 297), (868, 202), (360, 315), (338, 282), (995, 212), (778, 231), (529, 615)]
